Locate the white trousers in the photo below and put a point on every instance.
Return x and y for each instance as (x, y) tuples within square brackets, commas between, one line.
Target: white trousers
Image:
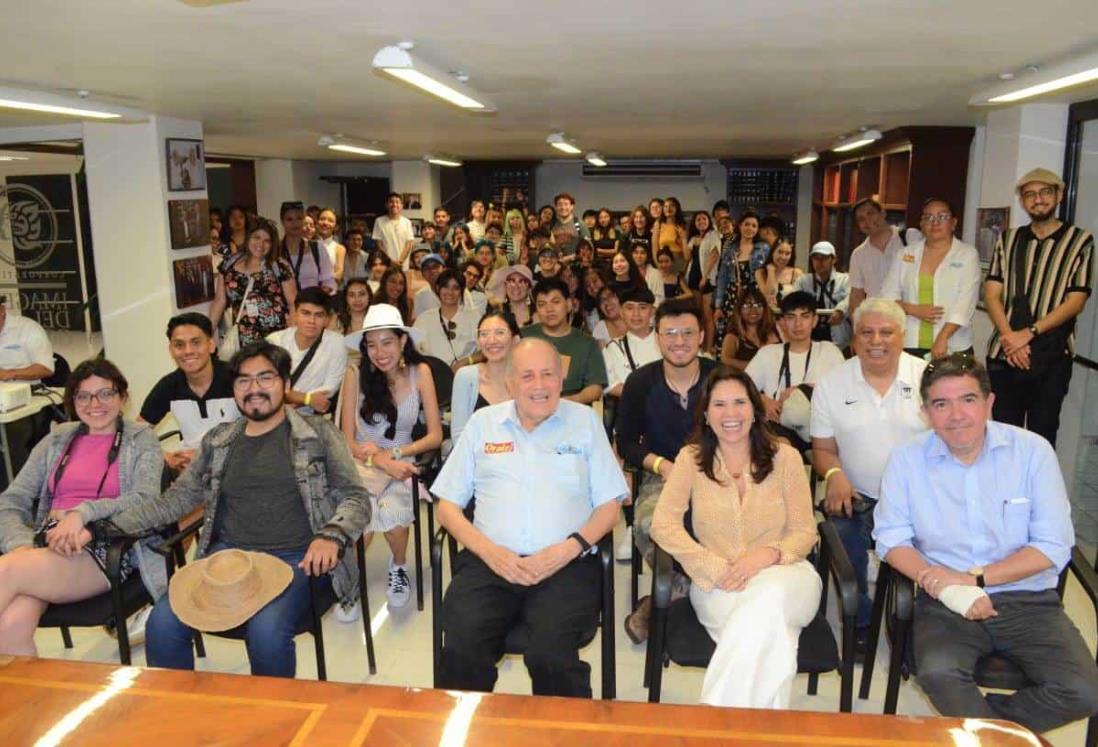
[(757, 631)]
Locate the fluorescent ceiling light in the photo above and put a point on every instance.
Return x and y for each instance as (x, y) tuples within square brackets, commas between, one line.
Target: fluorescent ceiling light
[(356, 149), (66, 105), (398, 62), (439, 159), (14, 158), (68, 111), (806, 158), (1086, 76), (857, 140), (563, 144), (595, 159)]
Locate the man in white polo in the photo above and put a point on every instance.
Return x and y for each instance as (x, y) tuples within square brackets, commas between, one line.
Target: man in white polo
[(860, 411), (318, 357), (873, 258)]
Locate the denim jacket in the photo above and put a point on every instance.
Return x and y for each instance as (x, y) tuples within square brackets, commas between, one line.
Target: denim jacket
[(336, 503), (140, 464), (727, 275)]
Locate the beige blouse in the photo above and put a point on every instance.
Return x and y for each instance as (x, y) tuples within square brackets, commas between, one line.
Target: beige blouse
[(776, 512)]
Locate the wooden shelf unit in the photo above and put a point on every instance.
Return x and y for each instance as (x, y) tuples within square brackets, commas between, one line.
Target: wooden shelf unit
[(901, 171), (765, 185)]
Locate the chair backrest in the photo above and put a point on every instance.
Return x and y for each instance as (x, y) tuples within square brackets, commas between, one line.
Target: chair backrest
[(61, 371), (443, 376)]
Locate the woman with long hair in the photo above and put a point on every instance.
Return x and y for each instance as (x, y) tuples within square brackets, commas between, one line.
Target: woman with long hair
[(605, 236), (393, 290), (461, 244), (547, 218), (382, 402), (485, 256), (752, 528), (752, 326), (532, 223), (624, 273), (511, 293), (485, 383), (448, 332), (611, 325), (672, 282), (592, 281), (778, 277), (84, 471), (235, 230), (353, 263), (356, 297), (378, 262), (326, 224), (475, 221), (264, 277), (642, 258), (514, 236), (740, 258), (670, 232)]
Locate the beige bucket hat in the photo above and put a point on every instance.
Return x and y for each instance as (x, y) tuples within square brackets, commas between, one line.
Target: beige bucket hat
[(224, 590)]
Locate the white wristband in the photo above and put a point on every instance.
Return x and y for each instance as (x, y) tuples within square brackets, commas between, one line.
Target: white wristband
[(960, 598)]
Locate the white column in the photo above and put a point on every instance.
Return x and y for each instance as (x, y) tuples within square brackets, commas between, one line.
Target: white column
[(274, 184), (1018, 139), (128, 205)]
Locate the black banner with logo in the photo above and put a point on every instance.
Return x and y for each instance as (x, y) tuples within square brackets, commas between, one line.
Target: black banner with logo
[(44, 228)]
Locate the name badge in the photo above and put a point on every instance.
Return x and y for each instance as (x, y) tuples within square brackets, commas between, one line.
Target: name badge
[(500, 447), (251, 308)]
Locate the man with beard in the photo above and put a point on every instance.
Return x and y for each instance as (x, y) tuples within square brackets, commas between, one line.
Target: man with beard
[(1038, 282), (655, 416), (273, 482)]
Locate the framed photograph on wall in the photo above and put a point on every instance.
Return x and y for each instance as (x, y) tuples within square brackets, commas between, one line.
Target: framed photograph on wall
[(412, 200), (190, 223), (186, 165), (194, 280), (990, 225), (417, 226)]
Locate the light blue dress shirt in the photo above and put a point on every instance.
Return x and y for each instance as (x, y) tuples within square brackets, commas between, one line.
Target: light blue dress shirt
[(961, 516), (535, 488)]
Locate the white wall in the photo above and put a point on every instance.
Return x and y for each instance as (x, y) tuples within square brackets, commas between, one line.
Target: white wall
[(278, 180), (552, 177), (417, 177)]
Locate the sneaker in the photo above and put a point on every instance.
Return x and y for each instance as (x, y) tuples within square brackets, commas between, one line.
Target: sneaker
[(636, 623), (135, 626), (399, 589), (623, 551), (348, 614)]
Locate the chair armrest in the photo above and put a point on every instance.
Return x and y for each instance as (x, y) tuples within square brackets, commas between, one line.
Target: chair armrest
[(903, 589), (168, 434), (1081, 568), (663, 567), (606, 554), (840, 567), (436, 552), (165, 548)]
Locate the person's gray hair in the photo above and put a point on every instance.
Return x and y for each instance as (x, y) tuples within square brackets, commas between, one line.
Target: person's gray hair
[(883, 306), (528, 342)]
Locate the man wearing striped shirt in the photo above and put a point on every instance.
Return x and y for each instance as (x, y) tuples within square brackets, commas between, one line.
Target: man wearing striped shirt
[(1038, 282)]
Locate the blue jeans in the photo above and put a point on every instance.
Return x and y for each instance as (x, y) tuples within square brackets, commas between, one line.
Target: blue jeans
[(856, 534), (268, 635)]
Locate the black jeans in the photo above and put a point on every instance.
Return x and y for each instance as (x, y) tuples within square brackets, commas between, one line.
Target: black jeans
[(1034, 632), (1031, 402), (481, 608)]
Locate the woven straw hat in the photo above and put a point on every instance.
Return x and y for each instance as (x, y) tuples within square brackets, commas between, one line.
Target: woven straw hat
[(226, 589)]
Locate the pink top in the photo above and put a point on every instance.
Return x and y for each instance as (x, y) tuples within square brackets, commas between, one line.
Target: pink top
[(79, 482)]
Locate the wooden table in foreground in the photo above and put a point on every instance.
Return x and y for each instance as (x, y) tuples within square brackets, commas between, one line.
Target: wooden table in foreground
[(53, 702)]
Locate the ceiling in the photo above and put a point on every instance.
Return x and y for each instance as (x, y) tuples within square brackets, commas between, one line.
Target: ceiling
[(268, 77)]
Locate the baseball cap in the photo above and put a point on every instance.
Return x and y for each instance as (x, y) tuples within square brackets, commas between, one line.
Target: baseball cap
[(825, 248), (432, 257)]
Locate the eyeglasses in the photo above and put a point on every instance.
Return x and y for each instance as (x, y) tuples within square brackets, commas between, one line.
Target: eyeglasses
[(751, 306), (937, 218), (266, 380), (685, 334), (1046, 192), (103, 396)]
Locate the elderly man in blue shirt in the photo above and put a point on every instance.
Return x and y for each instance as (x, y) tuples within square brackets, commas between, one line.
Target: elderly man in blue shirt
[(547, 488), (976, 513)]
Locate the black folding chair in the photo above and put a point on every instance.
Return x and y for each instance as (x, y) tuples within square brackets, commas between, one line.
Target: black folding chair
[(894, 603), (676, 635), (636, 563), (518, 639)]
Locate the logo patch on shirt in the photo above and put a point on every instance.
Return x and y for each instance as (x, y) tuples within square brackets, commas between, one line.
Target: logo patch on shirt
[(499, 447), (569, 449), (909, 258), (906, 391)]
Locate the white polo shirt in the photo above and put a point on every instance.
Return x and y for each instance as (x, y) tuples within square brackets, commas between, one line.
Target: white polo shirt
[(866, 425), (765, 369), (23, 343), (394, 234), (869, 266), (324, 372), (643, 349)]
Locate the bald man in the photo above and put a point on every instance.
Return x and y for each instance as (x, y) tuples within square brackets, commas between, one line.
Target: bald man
[(548, 488)]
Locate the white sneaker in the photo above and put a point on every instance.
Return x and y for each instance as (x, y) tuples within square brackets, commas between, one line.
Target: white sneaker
[(624, 549), (399, 589), (135, 626), (348, 614)]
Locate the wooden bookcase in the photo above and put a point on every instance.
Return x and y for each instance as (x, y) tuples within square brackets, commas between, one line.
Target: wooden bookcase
[(765, 185), (901, 171)]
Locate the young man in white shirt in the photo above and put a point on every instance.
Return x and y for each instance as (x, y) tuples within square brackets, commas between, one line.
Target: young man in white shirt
[(394, 232), (315, 376), (625, 355), (778, 370), (831, 289), (873, 258)]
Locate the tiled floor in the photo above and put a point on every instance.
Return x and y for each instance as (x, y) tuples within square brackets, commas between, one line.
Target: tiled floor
[(403, 645)]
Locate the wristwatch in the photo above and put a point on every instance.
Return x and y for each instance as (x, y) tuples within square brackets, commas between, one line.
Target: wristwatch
[(1033, 330), (396, 453), (978, 573)]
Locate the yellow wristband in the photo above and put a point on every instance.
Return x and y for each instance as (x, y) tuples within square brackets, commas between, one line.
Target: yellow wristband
[(656, 465), (370, 461), (308, 396), (471, 361), (830, 472)]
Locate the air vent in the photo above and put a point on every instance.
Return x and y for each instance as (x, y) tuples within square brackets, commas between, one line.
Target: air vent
[(637, 170)]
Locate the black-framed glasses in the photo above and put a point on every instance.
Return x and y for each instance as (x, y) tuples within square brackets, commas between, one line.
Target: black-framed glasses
[(104, 396), (1033, 194), (266, 380)]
